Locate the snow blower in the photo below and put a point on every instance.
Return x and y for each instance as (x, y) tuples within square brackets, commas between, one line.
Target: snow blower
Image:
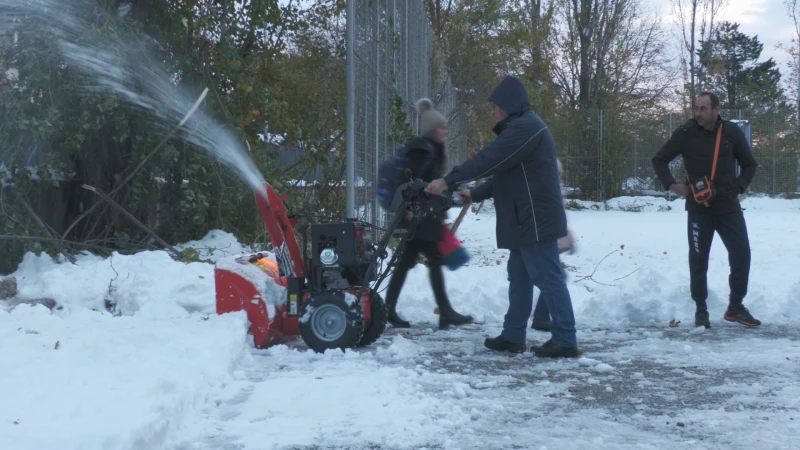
[(331, 298)]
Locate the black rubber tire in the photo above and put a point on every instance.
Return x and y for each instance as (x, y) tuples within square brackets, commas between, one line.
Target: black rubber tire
[(328, 321), (377, 325)]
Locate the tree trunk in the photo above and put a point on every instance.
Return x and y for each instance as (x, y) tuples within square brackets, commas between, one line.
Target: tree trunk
[(585, 32)]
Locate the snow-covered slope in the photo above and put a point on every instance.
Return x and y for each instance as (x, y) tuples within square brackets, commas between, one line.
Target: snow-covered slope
[(165, 372)]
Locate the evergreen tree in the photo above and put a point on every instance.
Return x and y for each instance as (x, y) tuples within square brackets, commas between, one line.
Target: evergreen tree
[(731, 68)]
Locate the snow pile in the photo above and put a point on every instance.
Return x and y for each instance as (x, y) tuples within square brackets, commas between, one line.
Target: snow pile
[(764, 203), (218, 244), (132, 347), (148, 284), (334, 400), (630, 268), (90, 380), (629, 204), (646, 203), (161, 370)]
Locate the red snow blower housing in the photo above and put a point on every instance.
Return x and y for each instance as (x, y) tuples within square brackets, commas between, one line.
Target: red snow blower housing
[(331, 299)]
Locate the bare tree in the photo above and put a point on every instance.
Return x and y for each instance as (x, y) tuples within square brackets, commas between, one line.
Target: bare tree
[(696, 23), (477, 46), (793, 51), (608, 53), (533, 23)]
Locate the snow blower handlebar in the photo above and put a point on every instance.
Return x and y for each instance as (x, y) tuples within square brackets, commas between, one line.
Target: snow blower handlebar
[(417, 199)]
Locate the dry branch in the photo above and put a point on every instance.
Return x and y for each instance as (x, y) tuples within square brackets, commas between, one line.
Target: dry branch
[(591, 275), (45, 229), (141, 164), (133, 219)]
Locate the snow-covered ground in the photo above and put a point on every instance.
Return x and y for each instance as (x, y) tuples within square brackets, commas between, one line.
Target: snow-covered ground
[(164, 372)]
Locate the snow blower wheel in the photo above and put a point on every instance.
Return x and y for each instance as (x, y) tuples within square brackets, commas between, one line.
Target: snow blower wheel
[(330, 321), (377, 324)]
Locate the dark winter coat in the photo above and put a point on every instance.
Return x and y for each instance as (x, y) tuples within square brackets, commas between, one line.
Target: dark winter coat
[(426, 159), (524, 173), (696, 145)]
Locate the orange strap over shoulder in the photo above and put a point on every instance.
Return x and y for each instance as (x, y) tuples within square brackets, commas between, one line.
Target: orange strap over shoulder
[(716, 152), (716, 155), (706, 189)]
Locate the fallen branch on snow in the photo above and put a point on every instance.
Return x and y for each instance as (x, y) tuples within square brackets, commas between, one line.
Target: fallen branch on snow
[(591, 275)]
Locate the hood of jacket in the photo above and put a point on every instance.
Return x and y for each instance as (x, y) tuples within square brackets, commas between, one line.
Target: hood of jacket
[(511, 96)]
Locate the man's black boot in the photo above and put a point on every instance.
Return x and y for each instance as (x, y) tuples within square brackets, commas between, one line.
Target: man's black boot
[(500, 343), (541, 325), (551, 350)]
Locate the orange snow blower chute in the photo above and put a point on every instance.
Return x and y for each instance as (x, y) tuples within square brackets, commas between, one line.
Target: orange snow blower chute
[(329, 298), (267, 264)]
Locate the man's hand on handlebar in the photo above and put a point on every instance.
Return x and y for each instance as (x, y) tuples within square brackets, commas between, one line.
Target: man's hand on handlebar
[(465, 195), (437, 186)]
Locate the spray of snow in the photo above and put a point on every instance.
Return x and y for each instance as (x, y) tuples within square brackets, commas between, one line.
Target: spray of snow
[(115, 66)]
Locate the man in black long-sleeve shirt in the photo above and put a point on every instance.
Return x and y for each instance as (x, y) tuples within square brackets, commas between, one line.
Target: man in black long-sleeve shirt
[(696, 142)]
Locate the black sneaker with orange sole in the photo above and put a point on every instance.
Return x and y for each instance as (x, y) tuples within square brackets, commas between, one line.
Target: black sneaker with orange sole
[(741, 315)]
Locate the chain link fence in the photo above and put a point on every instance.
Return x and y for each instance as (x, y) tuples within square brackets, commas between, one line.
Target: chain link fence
[(446, 100), (393, 48), (605, 154)]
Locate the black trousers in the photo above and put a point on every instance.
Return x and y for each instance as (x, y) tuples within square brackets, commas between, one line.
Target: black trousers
[(733, 232), (408, 259)]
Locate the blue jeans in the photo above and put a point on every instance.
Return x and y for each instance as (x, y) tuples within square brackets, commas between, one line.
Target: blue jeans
[(540, 311), (538, 265)]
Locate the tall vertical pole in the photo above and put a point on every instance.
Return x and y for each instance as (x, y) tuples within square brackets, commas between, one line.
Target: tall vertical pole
[(600, 148), (378, 131), (636, 159), (350, 132), (406, 39)]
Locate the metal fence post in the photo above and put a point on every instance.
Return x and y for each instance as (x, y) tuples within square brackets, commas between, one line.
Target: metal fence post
[(401, 50), (372, 200), (636, 159), (601, 121), (350, 131)]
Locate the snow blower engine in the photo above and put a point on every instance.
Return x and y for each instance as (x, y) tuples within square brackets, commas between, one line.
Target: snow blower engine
[(330, 299)]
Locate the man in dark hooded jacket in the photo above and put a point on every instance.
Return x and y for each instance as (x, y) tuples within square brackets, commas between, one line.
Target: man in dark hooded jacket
[(530, 217)]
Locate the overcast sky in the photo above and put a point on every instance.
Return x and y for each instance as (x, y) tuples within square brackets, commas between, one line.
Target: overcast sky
[(766, 19)]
